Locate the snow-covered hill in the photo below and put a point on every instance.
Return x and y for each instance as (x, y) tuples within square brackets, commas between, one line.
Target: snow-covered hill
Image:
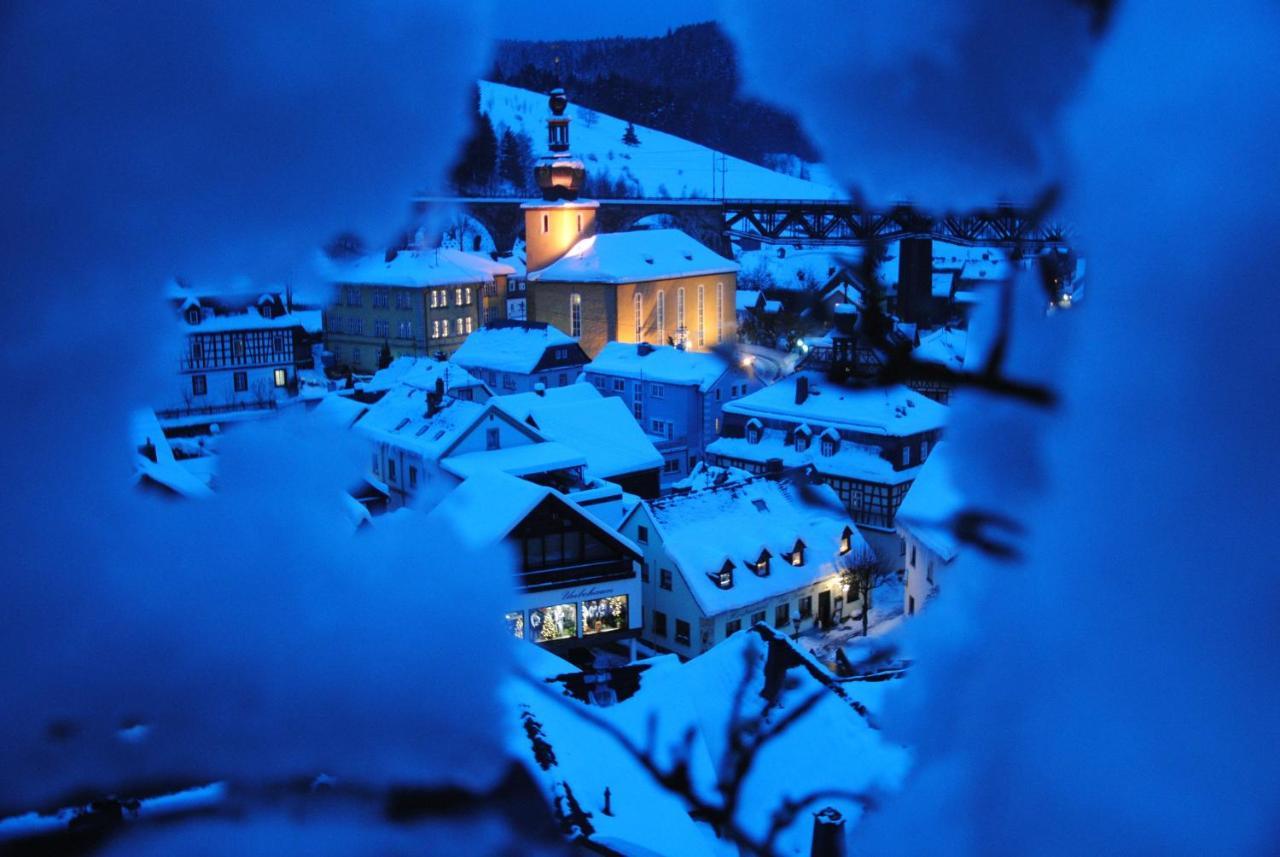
[(661, 165)]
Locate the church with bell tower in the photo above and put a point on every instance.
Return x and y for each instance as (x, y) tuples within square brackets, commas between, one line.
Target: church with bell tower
[(656, 286)]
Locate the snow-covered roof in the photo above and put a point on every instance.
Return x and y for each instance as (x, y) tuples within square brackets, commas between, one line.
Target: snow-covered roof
[(931, 502), (946, 346), (894, 411), (735, 522), (941, 283), (488, 505), (704, 476), (420, 372), (600, 427), (416, 269), (165, 470), (745, 299), (664, 364), (309, 320), (525, 460), (637, 256), (399, 418), (808, 269), (849, 460), (510, 346), (834, 744)]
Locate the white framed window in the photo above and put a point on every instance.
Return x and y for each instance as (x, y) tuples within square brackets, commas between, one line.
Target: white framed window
[(281, 377), (702, 332), (435, 328), (680, 328), (469, 323), (575, 315), (719, 312), (435, 299), (444, 297), (457, 296), (662, 318), (639, 311), (444, 327), (467, 293), (657, 391)]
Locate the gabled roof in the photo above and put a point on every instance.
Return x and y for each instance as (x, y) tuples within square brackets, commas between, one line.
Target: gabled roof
[(400, 419), (888, 411), (945, 346), (664, 364), (416, 269), (600, 427), (420, 372), (510, 347), (931, 502), (736, 522), (488, 505), (637, 256)]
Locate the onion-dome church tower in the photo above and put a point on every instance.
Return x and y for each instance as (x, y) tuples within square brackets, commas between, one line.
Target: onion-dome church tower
[(560, 219)]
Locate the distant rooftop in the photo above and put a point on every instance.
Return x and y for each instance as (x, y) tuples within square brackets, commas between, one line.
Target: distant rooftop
[(664, 364), (889, 411), (637, 256), (510, 346), (416, 269)]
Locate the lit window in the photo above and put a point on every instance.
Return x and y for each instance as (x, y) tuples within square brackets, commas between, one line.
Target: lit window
[(680, 328), (575, 315), (435, 299), (558, 622), (468, 324), (515, 624), (719, 312), (444, 327), (457, 296), (605, 614), (435, 328), (702, 336), (639, 313), (662, 318)]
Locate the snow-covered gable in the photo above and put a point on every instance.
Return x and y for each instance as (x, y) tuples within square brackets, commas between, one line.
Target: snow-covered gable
[(894, 411), (945, 345), (400, 419), (488, 505), (511, 347), (931, 502), (632, 257), (735, 522), (664, 364), (834, 744), (600, 427), (421, 373), (416, 269), (810, 269)]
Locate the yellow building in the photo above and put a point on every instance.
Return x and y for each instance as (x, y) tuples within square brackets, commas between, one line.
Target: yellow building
[(654, 285), (658, 286)]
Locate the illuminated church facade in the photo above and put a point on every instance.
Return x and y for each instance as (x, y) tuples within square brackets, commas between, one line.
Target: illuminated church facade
[(658, 286)]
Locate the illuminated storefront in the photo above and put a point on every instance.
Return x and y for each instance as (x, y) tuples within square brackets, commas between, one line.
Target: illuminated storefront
[(574, 617)]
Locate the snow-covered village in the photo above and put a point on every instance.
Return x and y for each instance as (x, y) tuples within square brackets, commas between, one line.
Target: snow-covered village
[(704, 428)]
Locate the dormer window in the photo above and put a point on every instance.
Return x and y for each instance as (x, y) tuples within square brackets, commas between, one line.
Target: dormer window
[(754, 429), (846, 540), (193, 315), (830, 442), (796, 557), (802, 438), (761, 564), (724, 577), (265, 310)]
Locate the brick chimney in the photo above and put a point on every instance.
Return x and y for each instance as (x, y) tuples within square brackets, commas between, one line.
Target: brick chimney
[(802, 389)]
